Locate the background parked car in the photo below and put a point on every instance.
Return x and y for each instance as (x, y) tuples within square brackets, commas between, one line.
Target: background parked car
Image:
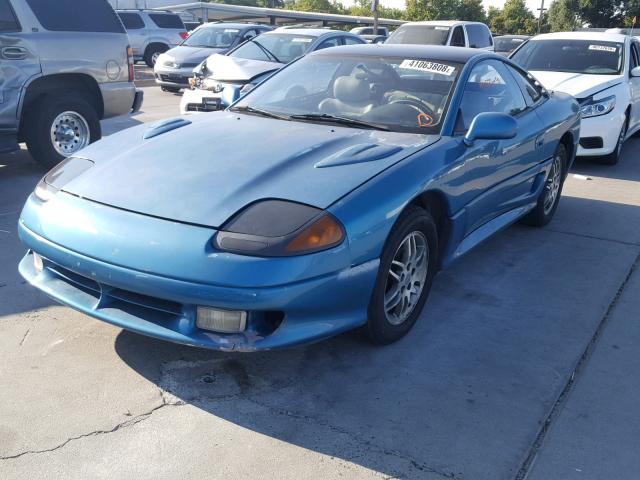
[(64, 66), (152, 32), (505, 44), (601, 71), (446, 32), (253, 61), (174, 68), (369, 36)]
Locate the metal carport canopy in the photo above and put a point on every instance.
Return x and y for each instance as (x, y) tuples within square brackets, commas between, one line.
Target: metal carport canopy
[(274, 16)]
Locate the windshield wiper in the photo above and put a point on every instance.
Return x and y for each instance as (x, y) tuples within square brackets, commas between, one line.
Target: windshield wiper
[(352, 122), (259, 111), (265, 50)]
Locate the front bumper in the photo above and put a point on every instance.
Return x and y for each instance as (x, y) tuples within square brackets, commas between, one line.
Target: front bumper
[(604, 127), (173, 77), (315, 296)]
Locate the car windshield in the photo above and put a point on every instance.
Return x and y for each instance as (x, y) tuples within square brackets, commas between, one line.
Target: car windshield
[(506, 44), (274, 47), (212, 37), (420, 35), (575, 56), (386, 93)]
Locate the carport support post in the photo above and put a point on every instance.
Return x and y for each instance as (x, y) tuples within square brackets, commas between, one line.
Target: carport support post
[(374, 9), (540, 16)]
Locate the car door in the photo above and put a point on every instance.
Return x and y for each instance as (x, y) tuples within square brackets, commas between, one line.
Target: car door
[(496, 176), (457, 37), (634, 86), (329, 42), (18, 61)]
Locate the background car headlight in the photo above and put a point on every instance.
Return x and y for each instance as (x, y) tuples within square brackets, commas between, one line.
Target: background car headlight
[(60, 175), (279, 228), (595, 108)]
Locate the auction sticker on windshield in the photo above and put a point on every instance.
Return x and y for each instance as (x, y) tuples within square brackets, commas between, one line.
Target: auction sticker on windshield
[(426, 66), (602, 48)]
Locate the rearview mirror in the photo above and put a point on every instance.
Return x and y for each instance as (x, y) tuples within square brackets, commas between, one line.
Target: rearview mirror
[(491, 126), (635, 72)]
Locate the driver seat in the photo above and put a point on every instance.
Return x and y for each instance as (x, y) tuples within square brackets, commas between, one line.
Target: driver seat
[(351, 95)]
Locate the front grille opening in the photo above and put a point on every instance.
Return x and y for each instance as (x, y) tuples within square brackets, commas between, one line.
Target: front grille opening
[(85, 284), (591, 142), (145, 301), (265, 323)]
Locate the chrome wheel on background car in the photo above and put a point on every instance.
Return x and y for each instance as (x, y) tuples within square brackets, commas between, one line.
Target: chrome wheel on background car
[(553, 184), (69, 133), (406, 278), (614, 156)]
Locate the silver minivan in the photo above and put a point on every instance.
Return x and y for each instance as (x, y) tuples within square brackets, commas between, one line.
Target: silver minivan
[(152, 32), (64, 66)]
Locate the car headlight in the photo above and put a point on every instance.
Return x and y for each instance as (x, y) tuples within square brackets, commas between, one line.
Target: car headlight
[(595, 108), (59, 176), (279, 228)]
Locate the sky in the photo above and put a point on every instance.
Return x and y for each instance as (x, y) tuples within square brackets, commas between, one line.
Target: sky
[(532, 4)]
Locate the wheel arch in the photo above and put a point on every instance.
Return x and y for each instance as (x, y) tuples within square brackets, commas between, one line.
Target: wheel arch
[(76, 83), (154, 44), (434, 201)]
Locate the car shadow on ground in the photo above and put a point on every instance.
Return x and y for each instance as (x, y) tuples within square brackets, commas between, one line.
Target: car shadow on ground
[(626, 169), (464, 394)]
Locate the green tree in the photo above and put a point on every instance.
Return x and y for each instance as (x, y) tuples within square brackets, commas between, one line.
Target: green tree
[(602, 13), (563, 16), (324, 6), (514, 18), (472, 11), (445, 10)]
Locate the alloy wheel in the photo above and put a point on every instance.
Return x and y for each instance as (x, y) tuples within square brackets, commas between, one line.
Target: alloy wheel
[(406, 278), (553, 183)]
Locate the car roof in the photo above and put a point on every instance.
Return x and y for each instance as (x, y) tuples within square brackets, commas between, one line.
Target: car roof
[(513, 36), (311, 32), (230, 25), (442, 23), (431, 52), (596, 36)]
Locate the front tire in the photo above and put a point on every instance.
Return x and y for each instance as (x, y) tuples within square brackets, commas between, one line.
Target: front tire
[(407, 267), (550, 196), (152, 54), (59, 127), (614, 157)]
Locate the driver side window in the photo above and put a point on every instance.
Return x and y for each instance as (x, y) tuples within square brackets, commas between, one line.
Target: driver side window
[(488, 89), (457, 37)]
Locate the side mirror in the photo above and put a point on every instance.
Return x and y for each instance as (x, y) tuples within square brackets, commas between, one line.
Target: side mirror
[(491, 126), (635, 72), (229, 95)]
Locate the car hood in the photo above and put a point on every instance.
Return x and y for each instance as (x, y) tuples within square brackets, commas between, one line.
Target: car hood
[(204, 172), (576, 84), (225, 68), (185, 54)]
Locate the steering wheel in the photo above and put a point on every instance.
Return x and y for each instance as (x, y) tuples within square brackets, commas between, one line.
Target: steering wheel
[(421, 108)]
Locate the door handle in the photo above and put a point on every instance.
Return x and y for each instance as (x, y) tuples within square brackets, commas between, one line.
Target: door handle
[(13, 53), (539, 141)]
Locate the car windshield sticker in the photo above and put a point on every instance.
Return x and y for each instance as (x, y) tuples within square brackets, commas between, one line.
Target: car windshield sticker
[(425, 66), (230, 30), (602, 48), (303, 40), (442, 28)]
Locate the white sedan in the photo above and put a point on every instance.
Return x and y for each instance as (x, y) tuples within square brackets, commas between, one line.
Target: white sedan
[(601, 71)]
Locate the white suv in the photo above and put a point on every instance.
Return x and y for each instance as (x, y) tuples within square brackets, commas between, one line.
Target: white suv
[(444, 32), (602, 71)]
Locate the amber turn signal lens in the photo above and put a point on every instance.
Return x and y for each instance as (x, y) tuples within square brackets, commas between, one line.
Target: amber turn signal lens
[(323, 233)]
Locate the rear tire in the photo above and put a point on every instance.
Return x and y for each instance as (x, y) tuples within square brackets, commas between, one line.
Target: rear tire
[(402, 287), (550, 196), (59, 126), (152, 53)]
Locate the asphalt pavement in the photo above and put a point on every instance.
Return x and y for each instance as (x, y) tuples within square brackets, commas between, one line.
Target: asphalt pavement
[(524, 364)]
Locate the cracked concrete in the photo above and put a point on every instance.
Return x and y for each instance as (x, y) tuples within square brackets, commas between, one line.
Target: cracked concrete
[(503, 368)]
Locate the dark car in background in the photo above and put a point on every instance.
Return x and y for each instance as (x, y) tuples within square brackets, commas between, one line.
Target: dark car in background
[(505, 44), (64, 66), (174, 68), (367, 33)]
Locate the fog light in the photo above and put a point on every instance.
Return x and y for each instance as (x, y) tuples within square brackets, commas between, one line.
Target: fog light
[(221, 321), (37, 262)]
